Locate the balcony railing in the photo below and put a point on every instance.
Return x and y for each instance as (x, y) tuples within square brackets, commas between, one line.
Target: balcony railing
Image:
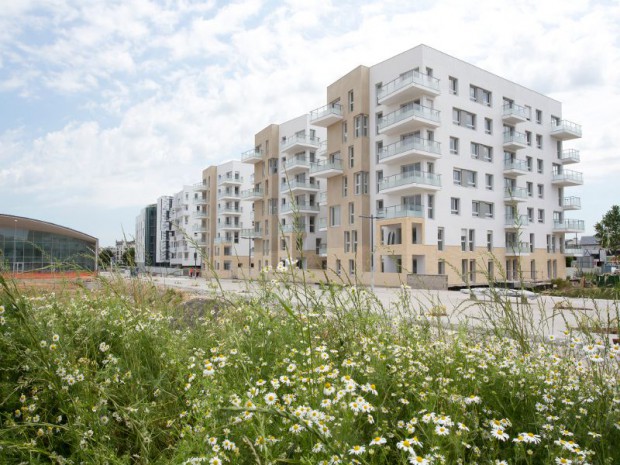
[(516, 165), (299, 185), (569, 156), (573, 203), (517, 248), (414, 77), (415, 110), (326, 165), (329, 111), (252, 154), (256, 192), (515, 111), (302, 139), (412, 177), (565, 129), (408, 145), (515, 137), (568, 176), (251, 233), (322, 223), (322, 249), (516, 221), (299, 206), (290, 228), (402, 211), (296, 163), (515, 193), (569, 225), (230, 178), (230, 210)]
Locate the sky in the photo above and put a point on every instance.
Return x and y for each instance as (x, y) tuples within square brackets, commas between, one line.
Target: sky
[(106, 105)]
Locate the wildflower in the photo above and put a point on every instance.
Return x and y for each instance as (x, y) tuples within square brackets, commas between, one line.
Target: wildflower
[(418, 459), (296, 428), (531, 438), (103, 347), (378, 441), (405, 445), (318, 447), (270, 398), (441, 430), (228, 445), (499, 433), (472, 400), (357, 450), (215, 461), (563, 461), (55, 338)]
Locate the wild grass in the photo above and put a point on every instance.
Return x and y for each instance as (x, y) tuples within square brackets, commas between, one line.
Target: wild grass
[(291, 373)]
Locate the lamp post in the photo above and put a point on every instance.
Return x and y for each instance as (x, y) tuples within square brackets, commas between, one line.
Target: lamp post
[(372, 219)]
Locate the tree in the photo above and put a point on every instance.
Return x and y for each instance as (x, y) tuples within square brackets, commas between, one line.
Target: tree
[(608, 230), (105, 257), (129, 257)]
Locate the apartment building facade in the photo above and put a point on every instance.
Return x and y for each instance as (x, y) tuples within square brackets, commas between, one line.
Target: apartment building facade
[(286, 195), (454, 171)]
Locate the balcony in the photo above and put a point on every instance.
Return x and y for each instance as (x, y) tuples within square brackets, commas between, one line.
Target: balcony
[(569, 226), (293, 228), (201, 214), (322, 250), (513, 114), (230, 180), (299, 207), (223, 240), (326, 169), (410, 182), (252, 156), (401, 211), (571, 203), (296, 165), (407, 148), (515, 194), (201, 187), (233, 226), (251, 233), (230, 210), (517, 249), (299, 186), (514, 168), (565, 130), (202, 200), (407, 87), (567, 178), (574, 251), (199, 228), (409, 118), (322, 224), (229, 194), (515, 140), (252, 194), (516, 222), (300, 142), (326, 115), (569, 156)]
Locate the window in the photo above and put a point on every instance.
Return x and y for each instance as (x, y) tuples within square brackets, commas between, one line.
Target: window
[(338, 267), (454, 85), (482, 209), (539, 166), (528, 138), (334, 215), (351, 267), (345, 131), (530, 189), (488, 181), (481, 152), (455, 205), (480, 95), (454, 146), (530, 214), (351, 100), (463, 118), (347, 241), (379, 179), (463, 240), (532, 244), (361, 126), (351, 213), (539, 116), (490, 241), (541, 191), (471, 178), (351, 156), (541, 215), (528, 112), (441, 267), (354, 240), (490, 270), (529, 163), (440, 239), (456, 176), (538, 141), (345, 186), (431, 206), (488, 126), (361, 183), (472, 239)]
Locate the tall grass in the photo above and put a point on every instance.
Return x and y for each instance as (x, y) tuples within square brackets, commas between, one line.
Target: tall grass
[(290, 373)]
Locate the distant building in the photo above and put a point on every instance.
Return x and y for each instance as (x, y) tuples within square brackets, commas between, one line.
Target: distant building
[(29, 245), (146, 232)]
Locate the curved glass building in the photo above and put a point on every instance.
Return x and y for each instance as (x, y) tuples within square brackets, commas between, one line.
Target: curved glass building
[(28, 245)]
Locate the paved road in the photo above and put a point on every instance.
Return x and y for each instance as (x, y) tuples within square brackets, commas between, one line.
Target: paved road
[(549, 315)]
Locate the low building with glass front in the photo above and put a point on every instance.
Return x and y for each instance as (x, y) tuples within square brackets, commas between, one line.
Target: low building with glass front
[(29, 245)]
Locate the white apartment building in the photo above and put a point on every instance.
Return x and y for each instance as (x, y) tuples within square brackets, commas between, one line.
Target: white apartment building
[(456, 172), (165, 230), (186, 238)]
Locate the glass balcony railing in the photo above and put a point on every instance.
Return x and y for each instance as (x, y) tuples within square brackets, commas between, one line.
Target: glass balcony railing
[(299, 185), (252, 154), (402, 211), (408, 178), (409, 111), (568, 176), (569, 155), (516, 221), (514, 110), (331, 109), (408, 145), (517, 193), (517, 165), (299, 206), (326, 165), (515, 138), (413, 77)]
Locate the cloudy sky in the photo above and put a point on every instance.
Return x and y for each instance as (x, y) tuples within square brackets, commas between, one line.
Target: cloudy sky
[(106, 105)]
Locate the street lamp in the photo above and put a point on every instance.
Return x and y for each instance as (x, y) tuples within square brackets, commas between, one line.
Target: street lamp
[(372, 219)]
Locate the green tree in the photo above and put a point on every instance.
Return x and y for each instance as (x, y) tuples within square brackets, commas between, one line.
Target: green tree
[(608, 229), (129, 257), (105, 257)]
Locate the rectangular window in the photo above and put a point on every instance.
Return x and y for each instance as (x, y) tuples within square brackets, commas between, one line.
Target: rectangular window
[(528, 138), (455, 206), (456, 176), (482, 209), (488, 181), (532, 242), (440, 239), (480, 95), (454, 146), (351, 100), (530, 163), (539, 166), (490, 241), (454, 85), (361, 126), (481, 152), (334, 215), (538, 141), (345, 131), (430, 206), (345, 186), (354, 240), (541, 191), (441, 267), (472, 239), (351, 213), (463, 240), (530, 214), (351, 156), (488, 126), (361, 182), (351, 267), (541, 215), (347, 241), (463, 118), (539, 116), (530, 189)]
